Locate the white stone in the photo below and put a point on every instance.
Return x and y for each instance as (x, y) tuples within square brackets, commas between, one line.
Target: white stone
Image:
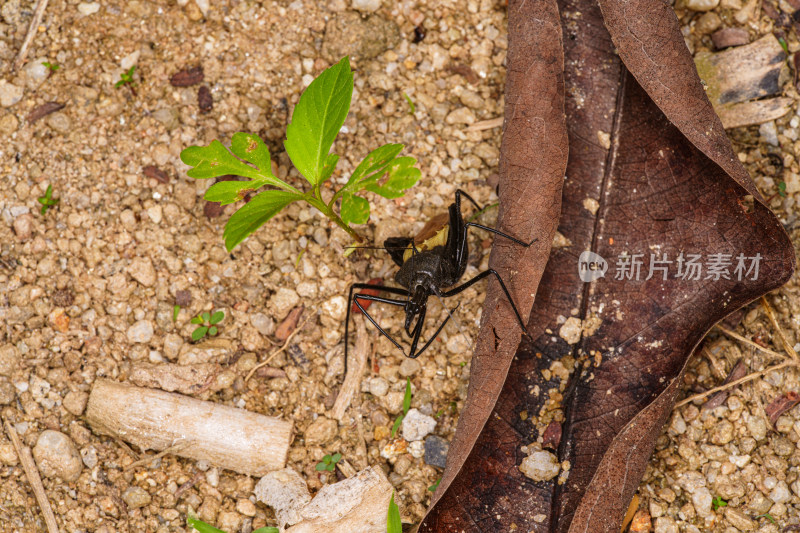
[(285, 491), (571, 330), (88, 8), (540, 466), (141, 269), (336, 307), (35, 72), (416, 449), (665, 524), (283, 301), (701, 499), (378, 386), (57, 456), (129, 60), (702, 5), (141, 331), (368, 6), (10, 94), (769, 132), (780, 494), (417, 426)]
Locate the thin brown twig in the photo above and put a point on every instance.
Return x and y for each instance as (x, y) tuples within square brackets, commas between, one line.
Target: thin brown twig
[(38, 13), (747, 341), (732, 384), (279, 350), (486, 124), (147, 460), (32, 473), (786, 346)]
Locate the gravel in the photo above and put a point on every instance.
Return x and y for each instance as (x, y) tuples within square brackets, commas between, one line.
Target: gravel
[(57, 456)]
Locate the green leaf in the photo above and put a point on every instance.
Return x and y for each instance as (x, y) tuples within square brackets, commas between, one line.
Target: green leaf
[(435, 485), (217, 317), (407, 397), (354, 210), (412, 108), (321, 466), (267, 529), (393, 522), (317, 119), (254, 213), (336, 458), (199, 333), (402, 176), (330, 166), (196, 320), (212, 330), (215, 160), (206, 317), (374, 165), (175, 311), (252, 149), (228, 192), (397, 424), (201, 526)]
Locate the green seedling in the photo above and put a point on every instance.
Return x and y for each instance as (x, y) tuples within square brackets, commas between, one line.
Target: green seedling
[(126, 78), (718, 502), (329, 463), (782, 189), (783, 44), (206, 325), (393, 522), (175, 311), (47, 200), (406, 407), (435, 485), (52, 67), (316, 120), (411, 107), (768, 517), (198, 525)]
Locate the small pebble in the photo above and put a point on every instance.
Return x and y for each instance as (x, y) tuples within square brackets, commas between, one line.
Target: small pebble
[(9, 360), (57, 456), (378, 386), (23, 227), (571, 330), (727, 37), (707, 23), (436, 449), (416, 449), (141, 269), (702, 5), (75, 402), (59, 122), (88, 8), (141, 331), (10, 94), (136, 497), (321, 431), (417, 426), (665, 524), (283, 301), (367, 6), (462, 115), (409, 367), (246, 507), (264, 324), (89, 456), (540, 466)]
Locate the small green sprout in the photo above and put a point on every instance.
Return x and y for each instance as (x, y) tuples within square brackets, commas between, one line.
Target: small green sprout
[(783, 44), (47, 200), (126, 78), (411, 107), (768, 517), (316, 121), (206, 323), (393, 522), (51, 66), (406, 407), (435, 485), (329, 463), (198, 525), (782, 189), (176, 309), (718, 502)]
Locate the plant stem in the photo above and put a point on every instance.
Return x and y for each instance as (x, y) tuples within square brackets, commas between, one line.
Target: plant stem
[(314, 199)]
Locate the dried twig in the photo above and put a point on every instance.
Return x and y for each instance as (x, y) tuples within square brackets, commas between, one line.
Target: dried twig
[(38, 13), (32, 473), (727, 386), (147, 460), (734, 335), (486, 124), (786, 345), (276, 352), (355, 370)]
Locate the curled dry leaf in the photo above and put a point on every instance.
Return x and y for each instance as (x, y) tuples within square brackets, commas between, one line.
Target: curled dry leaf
[(152, 171), (650, 172), (187, 77), (780, 405), (44, 110)]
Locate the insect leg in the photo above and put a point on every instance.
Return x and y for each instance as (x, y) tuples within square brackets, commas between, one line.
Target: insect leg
[(500, 233), (486, 273), (459, 194), (417, 332), (354, 299), (439, 330)]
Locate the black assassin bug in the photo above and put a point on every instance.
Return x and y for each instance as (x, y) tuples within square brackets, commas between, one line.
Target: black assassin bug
[(432, 261)]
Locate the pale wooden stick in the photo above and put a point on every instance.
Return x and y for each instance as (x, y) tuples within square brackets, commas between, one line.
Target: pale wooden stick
[(355, 370), (38, 13), (726, 386), (276, 352), (32, 473), (222, 435), (748, 342), (786, 346), (486, 124)]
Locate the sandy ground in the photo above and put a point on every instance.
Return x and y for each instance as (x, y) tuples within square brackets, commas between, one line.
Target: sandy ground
[(87, 290)]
